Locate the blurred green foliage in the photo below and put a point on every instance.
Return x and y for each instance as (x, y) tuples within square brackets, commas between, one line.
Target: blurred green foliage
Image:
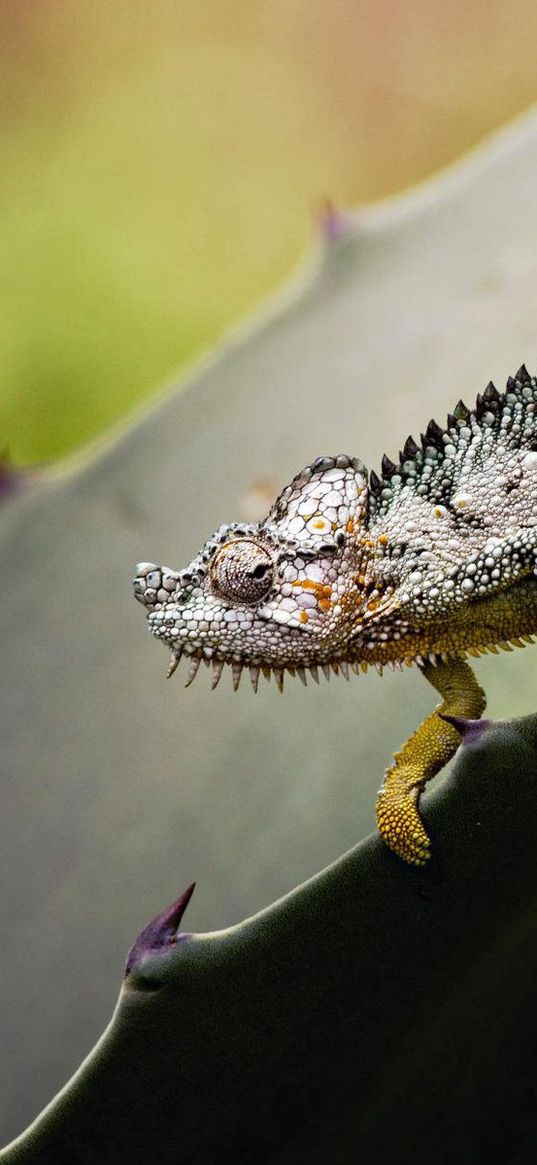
[(160, 166)]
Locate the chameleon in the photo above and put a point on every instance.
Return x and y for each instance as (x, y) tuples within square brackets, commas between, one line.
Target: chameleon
[(428, 563)]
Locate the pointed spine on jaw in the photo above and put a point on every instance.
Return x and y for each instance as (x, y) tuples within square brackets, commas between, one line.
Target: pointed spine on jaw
[(342, 667)]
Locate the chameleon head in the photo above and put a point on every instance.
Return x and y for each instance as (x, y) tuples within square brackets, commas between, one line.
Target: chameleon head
[(281, 594)]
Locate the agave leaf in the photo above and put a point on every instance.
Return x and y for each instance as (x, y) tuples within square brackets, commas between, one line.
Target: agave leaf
[(372, 1011), (117, 784)]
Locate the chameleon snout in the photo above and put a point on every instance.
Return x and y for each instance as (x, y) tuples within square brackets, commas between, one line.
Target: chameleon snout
[(153, 584)]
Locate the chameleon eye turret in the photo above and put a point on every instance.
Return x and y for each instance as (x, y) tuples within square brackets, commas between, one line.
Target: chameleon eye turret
[(429, 562), (242, 570)]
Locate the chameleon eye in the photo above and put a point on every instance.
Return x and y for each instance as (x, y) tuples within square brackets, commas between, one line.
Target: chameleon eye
[(242, 570)]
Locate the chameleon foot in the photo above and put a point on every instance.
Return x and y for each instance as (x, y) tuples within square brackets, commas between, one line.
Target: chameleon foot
[(423, 755), (399, 823)]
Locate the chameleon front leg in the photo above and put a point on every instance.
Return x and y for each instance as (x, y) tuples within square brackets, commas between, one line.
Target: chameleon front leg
[(423, 755)]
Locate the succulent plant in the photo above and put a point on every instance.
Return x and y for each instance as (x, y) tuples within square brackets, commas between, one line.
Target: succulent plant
[(376, 1013)]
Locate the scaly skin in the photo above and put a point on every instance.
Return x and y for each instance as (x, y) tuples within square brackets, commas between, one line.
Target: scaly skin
[(423, 755), (435, 561)]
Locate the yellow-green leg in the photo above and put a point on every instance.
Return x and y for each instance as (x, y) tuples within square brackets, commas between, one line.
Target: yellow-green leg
[(423, 755)]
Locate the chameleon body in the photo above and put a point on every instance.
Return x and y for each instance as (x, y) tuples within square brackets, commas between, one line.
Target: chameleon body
[(431, 562)]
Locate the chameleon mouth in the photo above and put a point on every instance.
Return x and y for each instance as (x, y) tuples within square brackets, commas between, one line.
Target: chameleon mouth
[(255, 671)]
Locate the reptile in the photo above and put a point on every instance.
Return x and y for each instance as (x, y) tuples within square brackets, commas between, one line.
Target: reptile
[(430, 562)]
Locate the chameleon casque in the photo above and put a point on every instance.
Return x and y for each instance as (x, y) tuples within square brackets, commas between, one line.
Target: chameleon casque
[(432, 562)]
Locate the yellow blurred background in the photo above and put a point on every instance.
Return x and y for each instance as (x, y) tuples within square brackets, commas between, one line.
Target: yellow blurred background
[(163, 166)]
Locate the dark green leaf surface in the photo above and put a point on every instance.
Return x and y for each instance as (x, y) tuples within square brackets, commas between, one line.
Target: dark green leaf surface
[(376, 1014)]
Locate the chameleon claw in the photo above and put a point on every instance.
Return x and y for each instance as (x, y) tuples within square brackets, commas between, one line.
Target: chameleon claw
[(400, 825)]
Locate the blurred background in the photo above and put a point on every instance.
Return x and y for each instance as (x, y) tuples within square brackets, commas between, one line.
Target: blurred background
[(163, 166)]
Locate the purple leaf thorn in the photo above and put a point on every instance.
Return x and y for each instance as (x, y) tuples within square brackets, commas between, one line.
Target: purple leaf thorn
[(332, 222), (12, 478), (161, 932), (470, 730)]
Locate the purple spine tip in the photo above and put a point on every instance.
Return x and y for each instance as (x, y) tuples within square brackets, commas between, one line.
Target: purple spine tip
[(12, 479), (470, 730), (161, 932), (333, 223)]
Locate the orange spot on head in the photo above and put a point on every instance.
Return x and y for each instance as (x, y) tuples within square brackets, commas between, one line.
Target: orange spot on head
[(324, 604), (303, 616), (319, 524), (383, 539), (310, 584), (350, 526)]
